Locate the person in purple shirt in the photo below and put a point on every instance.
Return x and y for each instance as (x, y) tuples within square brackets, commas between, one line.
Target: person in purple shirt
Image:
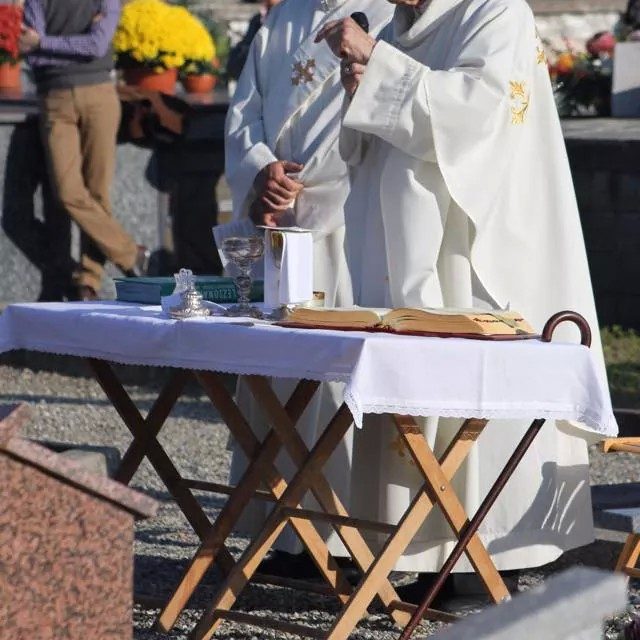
[(68, 46)]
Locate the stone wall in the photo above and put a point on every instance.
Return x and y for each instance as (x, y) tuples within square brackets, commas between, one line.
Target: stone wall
[(605, 163)]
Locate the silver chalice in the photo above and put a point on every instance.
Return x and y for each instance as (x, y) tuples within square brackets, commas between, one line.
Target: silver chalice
[(243, 252)]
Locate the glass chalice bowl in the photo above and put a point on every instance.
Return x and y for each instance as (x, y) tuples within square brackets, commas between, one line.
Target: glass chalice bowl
[(243, 252)]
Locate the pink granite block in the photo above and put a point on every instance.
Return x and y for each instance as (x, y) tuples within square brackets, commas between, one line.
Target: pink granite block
[(66, 548)]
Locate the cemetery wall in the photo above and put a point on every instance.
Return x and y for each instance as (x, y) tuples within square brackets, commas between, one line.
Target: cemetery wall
[(606, 175)]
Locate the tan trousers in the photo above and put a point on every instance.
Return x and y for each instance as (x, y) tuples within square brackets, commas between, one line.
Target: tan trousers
[(79, 128)]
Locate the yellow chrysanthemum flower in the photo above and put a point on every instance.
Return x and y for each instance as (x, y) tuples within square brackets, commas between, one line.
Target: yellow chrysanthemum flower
[(160, 35)]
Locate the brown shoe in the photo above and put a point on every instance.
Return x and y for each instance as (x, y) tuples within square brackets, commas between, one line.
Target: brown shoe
[(141, 266)]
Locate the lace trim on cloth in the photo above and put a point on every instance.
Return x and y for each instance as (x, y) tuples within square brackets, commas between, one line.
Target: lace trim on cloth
[(193, 364), (508, 412), (356, 406)]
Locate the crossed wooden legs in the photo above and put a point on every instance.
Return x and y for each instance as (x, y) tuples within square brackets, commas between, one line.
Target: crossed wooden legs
[(145, 443), (261, 468), (436, 490)]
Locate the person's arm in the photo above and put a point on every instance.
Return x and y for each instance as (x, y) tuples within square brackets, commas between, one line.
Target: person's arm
[(33, 15), (397, 94), (93, 44)]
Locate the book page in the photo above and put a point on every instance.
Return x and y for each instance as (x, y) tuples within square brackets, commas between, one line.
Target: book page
[(333, 318), (449, 321)]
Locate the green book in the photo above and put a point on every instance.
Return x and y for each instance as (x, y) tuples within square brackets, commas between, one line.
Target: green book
[(149, 290)]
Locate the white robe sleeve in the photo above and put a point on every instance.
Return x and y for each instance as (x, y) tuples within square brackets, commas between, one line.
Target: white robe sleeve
[(352, 143), (246, 152), (391, 101), (398, 95)]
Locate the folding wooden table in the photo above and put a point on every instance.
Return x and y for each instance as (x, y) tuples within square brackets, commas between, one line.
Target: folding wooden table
[(204, 348)]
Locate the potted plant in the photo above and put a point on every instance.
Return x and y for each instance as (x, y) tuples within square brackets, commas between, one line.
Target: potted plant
[(199, 76), (10, 25), (154, 40)]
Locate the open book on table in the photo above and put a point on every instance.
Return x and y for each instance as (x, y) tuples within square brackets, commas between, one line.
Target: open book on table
[(498, 325)]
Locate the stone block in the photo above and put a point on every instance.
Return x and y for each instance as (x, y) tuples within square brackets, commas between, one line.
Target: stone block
[(629, 270), (615, 496), (628, 422), (66, 544), (625, 519), (600, 231), (625, 94), (604, 270), (627, 190), (103, 461), (595, 190), (607, 308), (628, 309), (569, 606)]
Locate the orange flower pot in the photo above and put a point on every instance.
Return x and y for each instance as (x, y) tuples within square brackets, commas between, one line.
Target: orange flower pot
[(199, 84), (164, 82), (10, 76)]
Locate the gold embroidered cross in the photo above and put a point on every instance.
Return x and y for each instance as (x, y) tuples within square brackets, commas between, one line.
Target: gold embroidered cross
[(303, 72)]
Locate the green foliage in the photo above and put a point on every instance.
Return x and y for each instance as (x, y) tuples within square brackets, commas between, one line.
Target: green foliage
[(622, 355)]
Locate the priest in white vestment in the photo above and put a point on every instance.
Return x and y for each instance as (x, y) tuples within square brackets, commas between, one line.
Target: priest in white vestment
[(462, 197), (284, 168)]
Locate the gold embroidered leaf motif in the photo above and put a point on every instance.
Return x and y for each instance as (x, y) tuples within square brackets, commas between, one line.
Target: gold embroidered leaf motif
[(520, 100), (303, 73), (541, 56)]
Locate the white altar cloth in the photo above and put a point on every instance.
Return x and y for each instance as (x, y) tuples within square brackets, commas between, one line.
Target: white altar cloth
[(383, 373)]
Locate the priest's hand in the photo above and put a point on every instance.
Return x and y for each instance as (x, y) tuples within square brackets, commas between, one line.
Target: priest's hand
[(347, 40), (262, 216), (274, 188), (351, 74)]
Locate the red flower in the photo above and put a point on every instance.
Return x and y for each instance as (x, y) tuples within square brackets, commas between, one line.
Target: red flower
[(602, 42), (10, 25)]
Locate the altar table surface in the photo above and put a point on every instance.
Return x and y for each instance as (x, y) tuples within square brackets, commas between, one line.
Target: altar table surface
[(403, 376), (383, 373)]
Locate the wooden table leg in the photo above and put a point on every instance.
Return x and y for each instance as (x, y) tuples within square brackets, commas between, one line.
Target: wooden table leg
[(410, 523), (275, 523), (294, 408), (472, 527), (156, 455), (153, 424), (322, 491), (450, 504), (261, 469)]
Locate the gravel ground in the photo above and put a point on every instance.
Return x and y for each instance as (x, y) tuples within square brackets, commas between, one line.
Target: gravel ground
[(71, 407)]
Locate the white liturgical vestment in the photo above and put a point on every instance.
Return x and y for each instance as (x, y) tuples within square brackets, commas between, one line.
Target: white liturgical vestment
[(287, 106), (462, 197)]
